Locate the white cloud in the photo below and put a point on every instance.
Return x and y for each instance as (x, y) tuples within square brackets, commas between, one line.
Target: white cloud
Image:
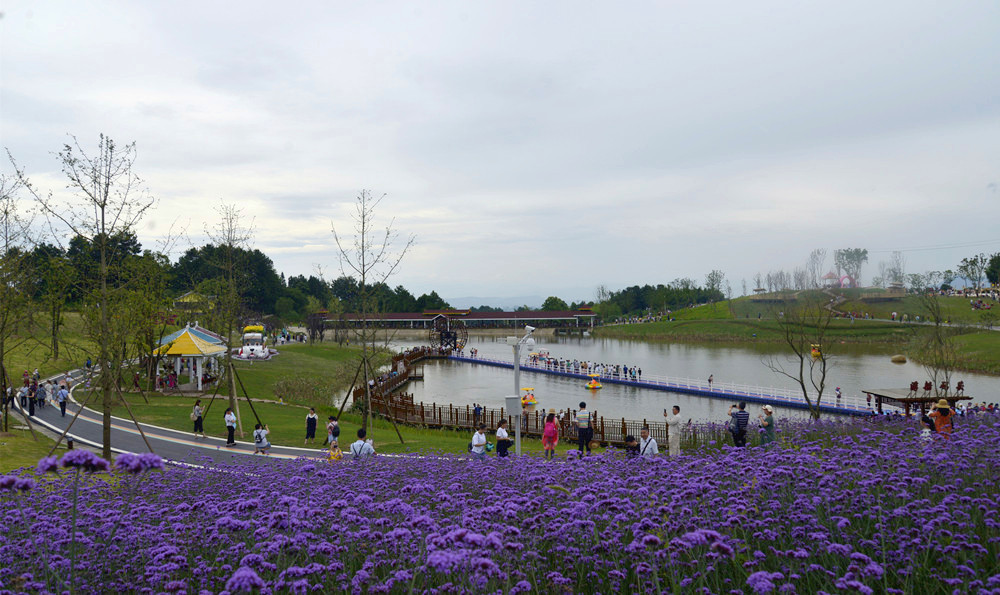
[(533, 148)]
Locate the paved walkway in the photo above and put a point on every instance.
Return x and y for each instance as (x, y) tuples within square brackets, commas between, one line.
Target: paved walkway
[(173, 445)]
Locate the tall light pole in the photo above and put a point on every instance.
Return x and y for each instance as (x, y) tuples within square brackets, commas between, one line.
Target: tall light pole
[(516, 344)]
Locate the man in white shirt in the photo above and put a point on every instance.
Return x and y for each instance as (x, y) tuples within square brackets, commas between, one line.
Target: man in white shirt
[(673, 431), (479, 443), (62, 396), (362, 449), (584, 428), (647, 444)]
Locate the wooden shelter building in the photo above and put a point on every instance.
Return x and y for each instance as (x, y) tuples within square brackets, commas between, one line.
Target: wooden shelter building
[(901, 397)]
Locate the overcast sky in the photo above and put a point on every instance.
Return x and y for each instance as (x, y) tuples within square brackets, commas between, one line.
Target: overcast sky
[(534, 148)]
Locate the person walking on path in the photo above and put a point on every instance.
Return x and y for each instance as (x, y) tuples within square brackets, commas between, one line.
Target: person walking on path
[(42, 395), (332, 430), (62, 396), (550, 435), (312, 420), (738, 422), (198, 416), (503, 441), (230, 419), (673, 431), (711, 379), (767, 422), (362, 449), (943, 417), (260, 441), (479, 443), (584, 428)]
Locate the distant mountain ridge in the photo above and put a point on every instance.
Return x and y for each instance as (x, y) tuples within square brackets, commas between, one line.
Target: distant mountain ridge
[(507, 303)]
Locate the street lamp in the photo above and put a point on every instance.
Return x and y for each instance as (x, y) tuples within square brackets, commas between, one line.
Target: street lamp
[(516, 344)]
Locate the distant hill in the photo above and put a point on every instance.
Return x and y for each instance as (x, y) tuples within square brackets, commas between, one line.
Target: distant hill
[(507, 303)]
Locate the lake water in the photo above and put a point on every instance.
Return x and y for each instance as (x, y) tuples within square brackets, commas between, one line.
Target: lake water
[(853, 369)]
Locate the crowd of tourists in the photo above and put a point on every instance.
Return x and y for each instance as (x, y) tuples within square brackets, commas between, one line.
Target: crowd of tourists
[(34, 394), (603, 370), (583, 420)]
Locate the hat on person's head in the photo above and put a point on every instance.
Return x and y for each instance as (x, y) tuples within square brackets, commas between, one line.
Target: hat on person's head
[(943, 404), (768, 408), (551, 410)]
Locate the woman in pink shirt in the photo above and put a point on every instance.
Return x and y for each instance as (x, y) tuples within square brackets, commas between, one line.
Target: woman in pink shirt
[(550, 434)]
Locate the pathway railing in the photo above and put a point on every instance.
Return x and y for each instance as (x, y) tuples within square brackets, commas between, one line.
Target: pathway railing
[(402, 408), (788, 396)]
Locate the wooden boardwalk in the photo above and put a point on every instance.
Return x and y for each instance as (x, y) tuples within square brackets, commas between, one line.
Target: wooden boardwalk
[(402, 408), (779, 397)]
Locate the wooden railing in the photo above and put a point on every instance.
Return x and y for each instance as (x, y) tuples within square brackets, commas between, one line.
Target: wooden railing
[(402, 408)]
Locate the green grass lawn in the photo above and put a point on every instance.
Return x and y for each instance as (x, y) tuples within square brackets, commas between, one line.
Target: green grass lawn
[(765, 331), (19, 449), (35, 352), (980, 351)]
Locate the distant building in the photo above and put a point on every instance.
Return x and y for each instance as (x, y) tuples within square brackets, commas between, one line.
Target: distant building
[(423, 320), (193, 301)]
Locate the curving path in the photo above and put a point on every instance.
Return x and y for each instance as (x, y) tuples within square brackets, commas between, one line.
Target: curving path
[(174, 446)]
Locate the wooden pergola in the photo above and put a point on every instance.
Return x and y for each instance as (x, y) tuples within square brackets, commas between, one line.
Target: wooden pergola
[(906, 399)]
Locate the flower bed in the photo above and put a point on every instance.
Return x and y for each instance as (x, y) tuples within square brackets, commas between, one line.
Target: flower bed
[(873, 510)]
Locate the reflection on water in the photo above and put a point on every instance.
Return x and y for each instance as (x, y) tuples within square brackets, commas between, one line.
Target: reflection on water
[(853, 368)]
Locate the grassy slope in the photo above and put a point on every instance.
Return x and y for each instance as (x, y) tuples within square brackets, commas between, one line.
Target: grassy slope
[(19, 449), (287, 420), (35, 351), (737, 322)]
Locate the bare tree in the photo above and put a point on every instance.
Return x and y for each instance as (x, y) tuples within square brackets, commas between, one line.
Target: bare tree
[(15, 295), (372, 256), (758, 281), (817, 260), (744, 285), (800, 279), (106, 201), (881, 280), (897, 267), (934, 347), (804, 327), (230, 237)]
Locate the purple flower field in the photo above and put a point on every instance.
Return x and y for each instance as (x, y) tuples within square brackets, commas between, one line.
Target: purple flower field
[(877, 509)]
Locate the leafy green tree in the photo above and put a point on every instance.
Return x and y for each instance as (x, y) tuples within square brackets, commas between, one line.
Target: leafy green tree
[(993, 269), (485, 309), (431, 301), (346, 290), (850, 261), (554, 304), (972, 269), (285, 308), (56, 279), (403, 300)]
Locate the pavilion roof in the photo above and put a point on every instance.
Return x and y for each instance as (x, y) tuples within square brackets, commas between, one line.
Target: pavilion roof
[(187, 343), (202, 333)]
